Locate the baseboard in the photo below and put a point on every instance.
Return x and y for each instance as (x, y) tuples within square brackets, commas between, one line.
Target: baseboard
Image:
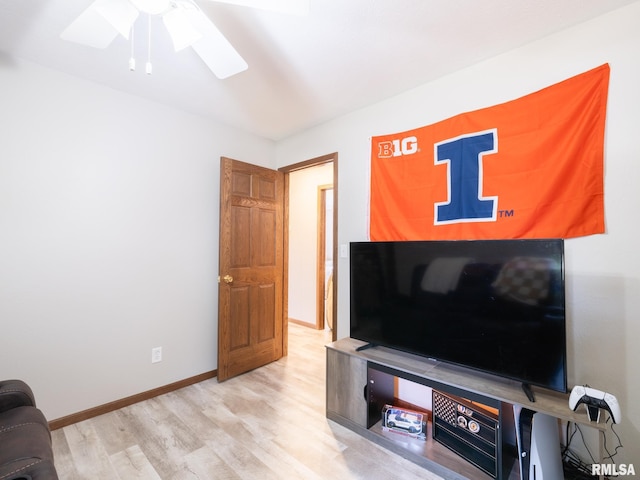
[(125, 402), (303, 323)]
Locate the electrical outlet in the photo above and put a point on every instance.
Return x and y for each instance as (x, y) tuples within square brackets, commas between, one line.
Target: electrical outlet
[(156, 354)]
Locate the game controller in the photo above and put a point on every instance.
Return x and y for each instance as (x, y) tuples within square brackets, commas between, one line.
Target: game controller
[(594, 400)]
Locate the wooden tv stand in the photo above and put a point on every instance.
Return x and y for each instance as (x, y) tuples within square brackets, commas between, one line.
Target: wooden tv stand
[(347, 403)]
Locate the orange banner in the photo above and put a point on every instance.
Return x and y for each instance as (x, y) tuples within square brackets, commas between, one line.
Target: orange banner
[(528, 168)]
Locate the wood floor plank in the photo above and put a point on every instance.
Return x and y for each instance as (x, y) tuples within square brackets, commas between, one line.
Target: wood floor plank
[(65, 465), (242, 460), (163, 438), (205, 464), (133, 464), (115, 433), (267, 424), (88, 452)]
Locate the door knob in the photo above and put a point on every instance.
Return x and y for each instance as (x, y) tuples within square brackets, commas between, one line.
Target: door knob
[(227, 279)]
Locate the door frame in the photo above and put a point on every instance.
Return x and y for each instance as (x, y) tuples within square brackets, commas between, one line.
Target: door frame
[(321, 290), (329, 158)]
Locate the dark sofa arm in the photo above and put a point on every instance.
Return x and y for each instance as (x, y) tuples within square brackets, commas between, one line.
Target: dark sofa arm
[(15, 393)]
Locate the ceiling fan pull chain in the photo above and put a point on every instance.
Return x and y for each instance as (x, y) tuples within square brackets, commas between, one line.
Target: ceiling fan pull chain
[(132, 60), (149, 68)]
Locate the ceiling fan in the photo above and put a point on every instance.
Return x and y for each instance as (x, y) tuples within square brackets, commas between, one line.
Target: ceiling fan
[(187, 25)]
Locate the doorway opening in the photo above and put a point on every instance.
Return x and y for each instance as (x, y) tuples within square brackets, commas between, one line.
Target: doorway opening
[(310, 244)]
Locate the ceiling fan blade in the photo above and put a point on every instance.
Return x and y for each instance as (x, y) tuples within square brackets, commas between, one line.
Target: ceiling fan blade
[(182, 32), (121, 14), (90, 28), (99, 24), (214, 49), (293, 7), (152, 7)]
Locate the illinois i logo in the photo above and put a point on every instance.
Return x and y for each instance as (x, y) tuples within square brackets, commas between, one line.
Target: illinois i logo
[(463, 156)]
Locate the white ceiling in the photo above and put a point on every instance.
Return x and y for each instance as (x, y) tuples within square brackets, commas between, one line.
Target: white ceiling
[(303, 71)]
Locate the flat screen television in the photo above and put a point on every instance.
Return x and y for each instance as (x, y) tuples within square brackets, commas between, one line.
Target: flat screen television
[(497, 306)]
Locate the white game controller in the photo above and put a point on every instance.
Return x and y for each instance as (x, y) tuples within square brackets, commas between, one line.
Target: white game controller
[(594, 400)]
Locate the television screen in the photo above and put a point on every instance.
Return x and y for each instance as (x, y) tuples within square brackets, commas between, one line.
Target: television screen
[(493, 305)]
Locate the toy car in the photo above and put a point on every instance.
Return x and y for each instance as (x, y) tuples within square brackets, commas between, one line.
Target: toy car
[(403, 420)]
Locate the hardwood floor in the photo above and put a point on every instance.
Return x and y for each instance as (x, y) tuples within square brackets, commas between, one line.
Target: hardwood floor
[(267, 424)]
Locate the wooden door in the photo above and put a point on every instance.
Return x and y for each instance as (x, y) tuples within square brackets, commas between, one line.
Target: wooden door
[(250, 304)]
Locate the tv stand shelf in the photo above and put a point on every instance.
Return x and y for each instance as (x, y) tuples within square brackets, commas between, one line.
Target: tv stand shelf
[(347, 377)]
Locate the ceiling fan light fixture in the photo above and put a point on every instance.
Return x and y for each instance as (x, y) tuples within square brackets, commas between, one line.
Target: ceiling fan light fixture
[(99, 24), (182, 32)]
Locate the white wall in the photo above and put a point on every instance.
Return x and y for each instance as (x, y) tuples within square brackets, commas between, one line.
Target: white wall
[(108, 238), (603, 271), (303, 240)]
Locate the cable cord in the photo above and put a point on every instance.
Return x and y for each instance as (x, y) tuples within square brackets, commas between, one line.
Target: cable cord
[(618, 447), (573, 461)]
